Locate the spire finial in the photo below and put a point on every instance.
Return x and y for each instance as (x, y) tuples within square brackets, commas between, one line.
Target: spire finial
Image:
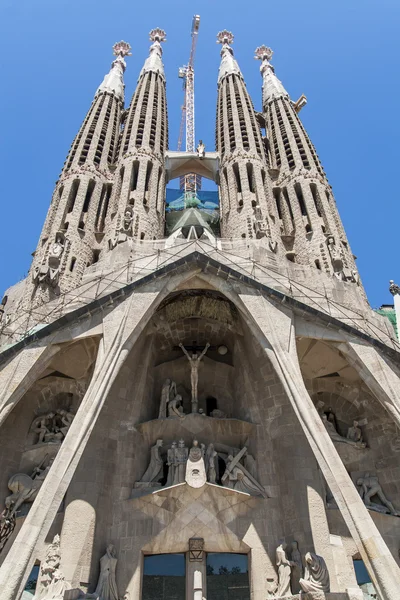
[(158, 35), (122, 49), (263, 53), (225, 37)]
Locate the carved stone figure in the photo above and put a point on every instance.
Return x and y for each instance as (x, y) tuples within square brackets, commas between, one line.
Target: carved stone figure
[(201, 149), (236, 479), (217, 414), (181, 456), (168, 392), (51, 582), (7, 526), (284, 569), (175, 408), (336, 437), (154, 471), (297, 568), (125, 232), (316, 577), (394, 288), (107, 586), (195, 468), (211, 461), (66, 418), (25, 488), (194, 361), (354, 434), (368, 486), (49, 272), (337, 261), (51, 427), (171, 462)]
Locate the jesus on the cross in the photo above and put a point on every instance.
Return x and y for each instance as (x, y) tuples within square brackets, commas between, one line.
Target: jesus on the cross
[(194, 361)]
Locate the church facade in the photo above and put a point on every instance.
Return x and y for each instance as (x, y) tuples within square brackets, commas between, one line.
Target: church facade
[(196, 403)]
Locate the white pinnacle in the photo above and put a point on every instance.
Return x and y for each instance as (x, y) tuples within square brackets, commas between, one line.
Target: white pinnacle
[(228, 63), (154, 62), (272, 86), (114, 80)]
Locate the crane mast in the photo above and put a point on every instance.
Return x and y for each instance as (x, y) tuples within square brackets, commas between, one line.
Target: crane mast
[(191, 182)]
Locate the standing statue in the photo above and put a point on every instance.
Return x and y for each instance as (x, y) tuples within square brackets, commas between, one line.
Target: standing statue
[(65, 417), (175, 408), (316, 577), (181, 456), (171, 463), (51, 582), (211, 461), (107, 586), (125, 232), (194, 361), (168, 392), (155, 469), (284, 569), (195, 468), (25, 488), (368, 487), (201, 149), (297, 568)]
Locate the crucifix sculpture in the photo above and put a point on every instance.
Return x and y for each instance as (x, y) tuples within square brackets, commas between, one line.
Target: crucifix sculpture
[(194, 360)]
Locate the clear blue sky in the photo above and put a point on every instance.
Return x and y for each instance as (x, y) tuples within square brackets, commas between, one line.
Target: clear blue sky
[(343, 54)]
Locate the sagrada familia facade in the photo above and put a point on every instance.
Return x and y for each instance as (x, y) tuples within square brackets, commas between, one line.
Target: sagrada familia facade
[(207, 412)]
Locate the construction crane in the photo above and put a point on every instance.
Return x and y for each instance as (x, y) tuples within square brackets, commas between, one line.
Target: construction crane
[(189, 183)]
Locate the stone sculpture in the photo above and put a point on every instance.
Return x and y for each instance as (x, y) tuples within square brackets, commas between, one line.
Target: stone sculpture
[(284, 570), (237, 478), (168, 392), (194, 361), (107, 586), (49, 272), (195, 468), (154, 471), (201, 149), (175, 408), (297, 567), (217, 414), (7, 526), (51, 582), (52, 426), (316, 577), (25, 488), (354, 434), (369, 486), (336, 437), (171, 463), (125, 232), (181, 456), (394, 288), (211, 462)]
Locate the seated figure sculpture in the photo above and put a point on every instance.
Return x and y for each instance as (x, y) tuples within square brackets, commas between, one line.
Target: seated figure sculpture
[(316, 577), (336, 437)]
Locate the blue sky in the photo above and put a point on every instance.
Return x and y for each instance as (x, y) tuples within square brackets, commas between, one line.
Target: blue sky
[(343, 54)]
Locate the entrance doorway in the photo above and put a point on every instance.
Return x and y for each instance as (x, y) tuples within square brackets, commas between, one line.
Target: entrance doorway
[(164, 577)]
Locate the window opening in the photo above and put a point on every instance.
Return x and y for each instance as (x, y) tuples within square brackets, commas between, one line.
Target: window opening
[(227, 576), (164, 577)]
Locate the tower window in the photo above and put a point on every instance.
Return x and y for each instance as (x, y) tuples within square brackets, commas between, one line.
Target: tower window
[(316, 198), (88, 196), (300, 198), (72, 195), (148, 175), (277, 195), (134, 175), (250, 176), (237, 178), (72, 263)]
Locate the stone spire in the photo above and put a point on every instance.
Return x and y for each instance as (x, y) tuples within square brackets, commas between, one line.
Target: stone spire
[(72, 233), (139, 192), (113, 82), (154, 61), (245, 194), (272, 86), (312, 232), (228, 62)]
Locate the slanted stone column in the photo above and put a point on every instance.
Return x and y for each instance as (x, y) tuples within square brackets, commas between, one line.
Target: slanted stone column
[(377, 372), (274, 328), (121, 329)]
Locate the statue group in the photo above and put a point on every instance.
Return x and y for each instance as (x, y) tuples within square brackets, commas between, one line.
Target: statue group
[(51, 427), (294, 578), (354, 435), (201, 464)]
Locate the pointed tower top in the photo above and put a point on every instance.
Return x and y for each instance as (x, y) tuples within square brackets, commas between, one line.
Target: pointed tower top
[(272, 86), (228, 62), (154, 61), (114, 80)]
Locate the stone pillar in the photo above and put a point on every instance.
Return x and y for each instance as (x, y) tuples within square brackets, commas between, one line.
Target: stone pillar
[(196, 571), (121, 329), (274, 328)]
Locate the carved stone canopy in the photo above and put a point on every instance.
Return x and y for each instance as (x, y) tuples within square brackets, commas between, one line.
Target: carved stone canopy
[(158, 35), (225, 37), (263, 53), (122, 49)]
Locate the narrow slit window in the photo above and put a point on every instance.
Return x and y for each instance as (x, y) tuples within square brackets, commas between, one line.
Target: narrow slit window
[(88, 197), (135, 175), (237, 178)]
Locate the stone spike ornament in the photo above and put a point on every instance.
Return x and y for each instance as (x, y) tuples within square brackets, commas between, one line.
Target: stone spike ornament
[(158, 35), (225, 37), (263, 53), (122, 49)]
